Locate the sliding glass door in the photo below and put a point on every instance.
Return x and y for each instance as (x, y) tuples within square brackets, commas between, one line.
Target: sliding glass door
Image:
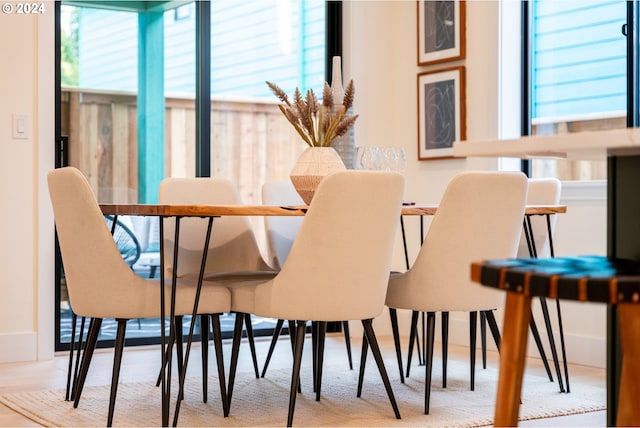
[(149, 90), (126, 77)]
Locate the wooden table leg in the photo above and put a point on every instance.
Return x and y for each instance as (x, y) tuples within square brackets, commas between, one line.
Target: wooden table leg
[(629, 393), (512, 357)]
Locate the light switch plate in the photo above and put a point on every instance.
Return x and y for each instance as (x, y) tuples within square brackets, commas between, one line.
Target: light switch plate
[(21, 127)]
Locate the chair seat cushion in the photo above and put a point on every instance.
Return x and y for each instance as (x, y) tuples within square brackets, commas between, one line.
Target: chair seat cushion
[(242, 286)]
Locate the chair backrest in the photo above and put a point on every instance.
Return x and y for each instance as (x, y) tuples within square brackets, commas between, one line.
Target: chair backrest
[(338, 267), (479, 217), (233, 245), (280, 231), (95, 273), (542, 191)]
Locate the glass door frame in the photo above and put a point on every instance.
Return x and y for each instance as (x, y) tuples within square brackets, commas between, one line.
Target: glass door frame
[(61, 146), (203, 115)]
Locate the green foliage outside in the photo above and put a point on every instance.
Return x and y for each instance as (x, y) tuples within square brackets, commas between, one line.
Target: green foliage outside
[(69, 50)]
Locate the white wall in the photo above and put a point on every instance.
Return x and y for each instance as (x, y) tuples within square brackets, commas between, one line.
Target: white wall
[(379, 54), (44, 301), (17, 286), (26, 88)]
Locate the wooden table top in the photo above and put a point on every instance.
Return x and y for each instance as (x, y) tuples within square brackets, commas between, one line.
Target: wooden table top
[(582, 278), (170, 210)]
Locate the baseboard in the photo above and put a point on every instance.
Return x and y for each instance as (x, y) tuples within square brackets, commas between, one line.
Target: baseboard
[(584, 350), (18, 347)]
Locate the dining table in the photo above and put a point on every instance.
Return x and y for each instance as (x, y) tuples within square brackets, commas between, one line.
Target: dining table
[(210, 212)]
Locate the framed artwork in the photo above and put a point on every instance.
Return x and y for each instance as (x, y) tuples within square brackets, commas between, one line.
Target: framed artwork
[(441, 32), (441, 112)]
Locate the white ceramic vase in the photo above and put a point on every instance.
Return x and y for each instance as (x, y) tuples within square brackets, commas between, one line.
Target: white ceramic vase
[(312, 166)]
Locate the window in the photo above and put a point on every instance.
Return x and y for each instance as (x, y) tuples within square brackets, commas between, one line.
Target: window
[(577, 76), (253, 41)]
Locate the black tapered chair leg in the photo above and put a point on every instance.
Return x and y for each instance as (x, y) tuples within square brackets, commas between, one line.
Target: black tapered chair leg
[(167, 352), (347, 340), (80, 347), (322, 331), (178, 339), (543, 354), (72, 344), (375, 351), (90, 346), (179, 342), (424, 344), (493, 328), (235, 349), (301, 330), (204, 341), (413, 337), (428, 357), (217, 344), (393, 316), (74, 368), (252, 344), (274, 339), (473, 326), (483, 338), (117, 362), (552, 342), (291, 325), (314, 353), (363, 362), (562, 347), (170, 342), (445, 346)]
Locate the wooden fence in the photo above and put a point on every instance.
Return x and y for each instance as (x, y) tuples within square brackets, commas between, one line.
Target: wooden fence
[(251, 142)]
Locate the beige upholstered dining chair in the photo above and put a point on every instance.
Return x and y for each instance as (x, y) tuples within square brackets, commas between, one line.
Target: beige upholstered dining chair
[(233, 243), (535, 241), (338, 267), (281, 231), (100, 283), (542, 191), (232, 246), (545, 191), (129, 248), (479, 217)]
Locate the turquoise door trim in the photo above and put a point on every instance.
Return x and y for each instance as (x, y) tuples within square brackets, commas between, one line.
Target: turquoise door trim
[(151, 105), (129, 6)]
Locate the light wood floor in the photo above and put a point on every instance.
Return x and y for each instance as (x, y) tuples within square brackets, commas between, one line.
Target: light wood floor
[(141, 364)]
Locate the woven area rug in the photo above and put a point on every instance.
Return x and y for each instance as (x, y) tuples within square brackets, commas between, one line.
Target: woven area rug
[(264, 402)]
